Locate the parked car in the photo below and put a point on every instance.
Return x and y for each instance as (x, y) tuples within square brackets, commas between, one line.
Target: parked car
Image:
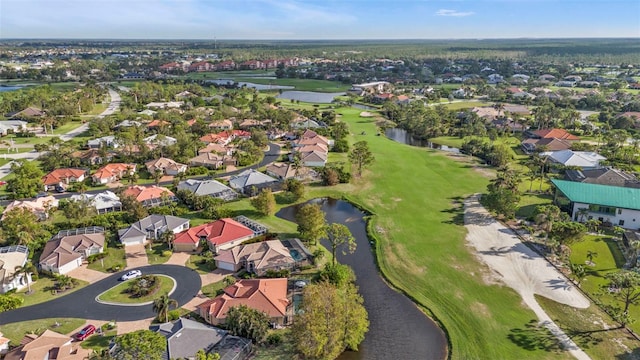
[(131, 275), (85, 332)]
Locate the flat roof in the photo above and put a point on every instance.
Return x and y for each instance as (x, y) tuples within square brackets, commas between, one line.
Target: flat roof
[(616, 196)]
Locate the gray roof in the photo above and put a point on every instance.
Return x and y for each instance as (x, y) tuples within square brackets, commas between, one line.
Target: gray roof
[(185, 337), (207, 187), (249, 178), (151, 222)]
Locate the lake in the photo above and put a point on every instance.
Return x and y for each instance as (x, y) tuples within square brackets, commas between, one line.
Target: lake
[(405, 137), (259, 87), (4, 88), (398, 329), (309, 96)]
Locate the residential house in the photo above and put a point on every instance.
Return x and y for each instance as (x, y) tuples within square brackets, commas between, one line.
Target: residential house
[(211, 188), (285, 171), (212, 160), (185, 337), (201, 66), (216, 148), (69, 248), (129, 123), (93, 156), (165, 105), (266, 295), (48, 346), (552, 133), (376, 87), (564, 83), (488, 113), (547, 144), (520, 110), (28, 113), (582, 159), (546, 77), (157, 124), (258, 258), (150, 196), (111, 173), (150, 228), (12, 126), (4, 344), (224, 124), (39, 206), (12, 257), (220, 235), (612, 205), (105, 141), (313, 158), (60, 179), (156, 140), (495, 79), (603, 176), (103, 202), (166, 166), (250, 182)]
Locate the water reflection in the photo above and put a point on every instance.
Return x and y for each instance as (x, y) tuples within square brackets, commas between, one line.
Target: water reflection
[(405, 137)]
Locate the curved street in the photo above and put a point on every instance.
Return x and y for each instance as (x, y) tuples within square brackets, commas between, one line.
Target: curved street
[(82, 304)]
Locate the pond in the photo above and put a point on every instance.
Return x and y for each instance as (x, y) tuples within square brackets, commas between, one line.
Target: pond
[(7, 88), (398, 329), (405, 137), (364, 107), (229, 82), (309, 96)]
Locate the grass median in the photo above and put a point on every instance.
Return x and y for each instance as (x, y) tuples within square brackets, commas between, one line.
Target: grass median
[(118, 294)]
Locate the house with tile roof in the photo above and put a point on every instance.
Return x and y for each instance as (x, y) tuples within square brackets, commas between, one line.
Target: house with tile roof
[(266, 295), (250, 182), (60, 179), (111, 173), (211, 188), (285, 171), (151, 227), (10, 258), (69, 248), (39, 206), (219, 235), (614, 205), (166, 166), (213, 160), (103, 202), (217, 149), (548, 144), (553, 133), (258, 258), (150, 196), (49, 345)]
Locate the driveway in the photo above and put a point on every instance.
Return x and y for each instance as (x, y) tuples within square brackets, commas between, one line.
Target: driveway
[(82, 304), (88, 275), (136, 256)]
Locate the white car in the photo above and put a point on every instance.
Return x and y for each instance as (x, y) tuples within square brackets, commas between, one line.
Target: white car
[(131, 275)]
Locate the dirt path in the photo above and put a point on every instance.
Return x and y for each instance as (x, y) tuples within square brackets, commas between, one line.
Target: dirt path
[(522, 269)]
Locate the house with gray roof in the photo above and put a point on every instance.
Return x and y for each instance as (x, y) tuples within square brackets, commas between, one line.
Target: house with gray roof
[(12, 126), (581, 159), (603, 176), (150, 228), (104, 202), (249, 182), (185, 337), (212, 188)]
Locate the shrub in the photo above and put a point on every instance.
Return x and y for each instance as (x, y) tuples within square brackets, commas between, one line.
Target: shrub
[(274, 338), (174, 315), (167, 253)]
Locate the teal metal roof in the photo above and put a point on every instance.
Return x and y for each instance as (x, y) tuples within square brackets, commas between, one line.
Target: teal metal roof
[(616, 196)]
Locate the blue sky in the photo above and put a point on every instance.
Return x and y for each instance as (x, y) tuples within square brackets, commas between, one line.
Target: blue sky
[(318, 19)]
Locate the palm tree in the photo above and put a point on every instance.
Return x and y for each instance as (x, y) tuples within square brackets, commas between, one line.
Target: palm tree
[(162, 306), (167, 237), (582, 213), (590, 256), (578, 272), (157, 175), (26, 270), (593, 224)]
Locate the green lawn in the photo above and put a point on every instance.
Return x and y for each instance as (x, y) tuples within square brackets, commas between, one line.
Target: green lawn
[(529, 202), (98, 109), (211, 290), (585, 326), (280, 352), (157, 254), (98, 342), (71, 125), (609, 259), (41, 291), (201, 264), (16, 331), (465, 105), (115, 257), (118, 294)]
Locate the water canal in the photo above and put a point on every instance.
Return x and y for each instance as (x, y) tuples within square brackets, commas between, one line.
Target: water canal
[(398, 330), (405, 137)]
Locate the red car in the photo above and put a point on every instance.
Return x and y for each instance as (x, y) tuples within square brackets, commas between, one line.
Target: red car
[(86, 332)]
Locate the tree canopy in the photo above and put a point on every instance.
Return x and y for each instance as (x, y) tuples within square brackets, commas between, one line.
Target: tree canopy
[(247, 322), (141, 344), (264, 202), (27, 180), (311, 222), (361, 156)]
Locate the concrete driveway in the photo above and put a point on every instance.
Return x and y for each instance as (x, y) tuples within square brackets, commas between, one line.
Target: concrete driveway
[(136, 256), (88, 275)]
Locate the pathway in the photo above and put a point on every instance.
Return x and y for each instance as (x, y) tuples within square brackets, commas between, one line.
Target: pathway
[(522, 269), (136, 256)]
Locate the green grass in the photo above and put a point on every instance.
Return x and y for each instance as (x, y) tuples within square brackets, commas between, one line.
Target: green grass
[(609, 259), (118, 294), (98, 109), (529, 202), (98, 342), (283, 351), (212, 290), (201, 264), (156, 256), (71, 125), (115, 257), (465, 105), (41, 291), (16, 331), (585, 327)]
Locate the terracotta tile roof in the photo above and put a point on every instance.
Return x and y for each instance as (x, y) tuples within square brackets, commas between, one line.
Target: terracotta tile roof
[(218, 232), (155, 123), (40, 204), (114, 170), (556, 133), (143, 193), (49, 345), (214, 148), (61, 175), (164, 164), (210, 138), (266, 295)]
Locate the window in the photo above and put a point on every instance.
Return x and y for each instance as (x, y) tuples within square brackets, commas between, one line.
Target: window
[(602, 209), (621, 222), (619, 211)]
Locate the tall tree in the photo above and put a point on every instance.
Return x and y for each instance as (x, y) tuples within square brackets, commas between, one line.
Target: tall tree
[(340, 236), (27, 180), (311, 222), (264, 202), (162, 306), (361, 156), (141, 344), (247, 322), (333, 319), (626, 286)]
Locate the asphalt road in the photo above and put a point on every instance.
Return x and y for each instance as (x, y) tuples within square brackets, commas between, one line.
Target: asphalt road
[(82, 304)]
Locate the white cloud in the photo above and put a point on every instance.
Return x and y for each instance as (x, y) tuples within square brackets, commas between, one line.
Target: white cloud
[(455, 13)]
